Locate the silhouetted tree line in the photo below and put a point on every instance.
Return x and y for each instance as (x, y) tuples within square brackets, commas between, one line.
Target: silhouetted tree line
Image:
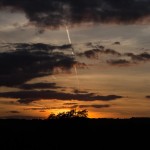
[(69, 114)]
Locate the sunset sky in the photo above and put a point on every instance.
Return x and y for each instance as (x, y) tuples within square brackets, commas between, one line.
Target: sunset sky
[(105, 69)]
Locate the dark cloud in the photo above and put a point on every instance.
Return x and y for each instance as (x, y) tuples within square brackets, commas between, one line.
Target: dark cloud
[(81, 65), (95, 53), (38, 108), (14, 112), (148, 96), (98, 106), (39, 86), (22, 65), (134, 59), (29, 96), (95, 106), (79, 91), (119, 62), (142, 57), (139, 57), (54, 13), (116, 43), (96, 45), (40, 46), (89, 44), (90, 53), (43, 109), (129, 54), (112, 52), (70, 103)]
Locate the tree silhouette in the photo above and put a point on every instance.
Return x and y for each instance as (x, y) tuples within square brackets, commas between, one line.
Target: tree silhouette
[(69, 114)]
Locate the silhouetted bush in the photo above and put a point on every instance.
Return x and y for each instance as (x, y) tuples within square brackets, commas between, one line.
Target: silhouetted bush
[(69, 114)]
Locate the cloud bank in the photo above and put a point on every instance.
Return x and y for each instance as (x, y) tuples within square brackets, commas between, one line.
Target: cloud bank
[(55, 13), (26, 63), (33, 95)]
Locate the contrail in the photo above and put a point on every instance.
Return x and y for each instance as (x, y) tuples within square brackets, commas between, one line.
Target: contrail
[(69, 39), (73, 53), (78, 83)]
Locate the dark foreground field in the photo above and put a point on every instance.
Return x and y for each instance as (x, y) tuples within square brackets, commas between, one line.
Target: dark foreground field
[(93, 134)]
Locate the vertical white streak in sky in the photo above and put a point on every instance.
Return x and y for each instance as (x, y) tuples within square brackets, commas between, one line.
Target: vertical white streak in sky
[(69, 39), (75, 68), (76, 72)]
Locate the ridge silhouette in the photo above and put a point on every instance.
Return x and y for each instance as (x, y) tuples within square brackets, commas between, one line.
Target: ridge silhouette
[(74, 130)]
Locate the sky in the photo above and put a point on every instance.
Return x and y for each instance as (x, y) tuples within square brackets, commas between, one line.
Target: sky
[(57, 55)]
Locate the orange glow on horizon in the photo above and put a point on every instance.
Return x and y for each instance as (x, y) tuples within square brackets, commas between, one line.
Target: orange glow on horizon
[(91, 114)]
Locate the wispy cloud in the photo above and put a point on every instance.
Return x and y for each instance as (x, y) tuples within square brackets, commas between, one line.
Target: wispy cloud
[(94, 106), (119, 62), (97, 106), (76, 105), (70, 103)]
